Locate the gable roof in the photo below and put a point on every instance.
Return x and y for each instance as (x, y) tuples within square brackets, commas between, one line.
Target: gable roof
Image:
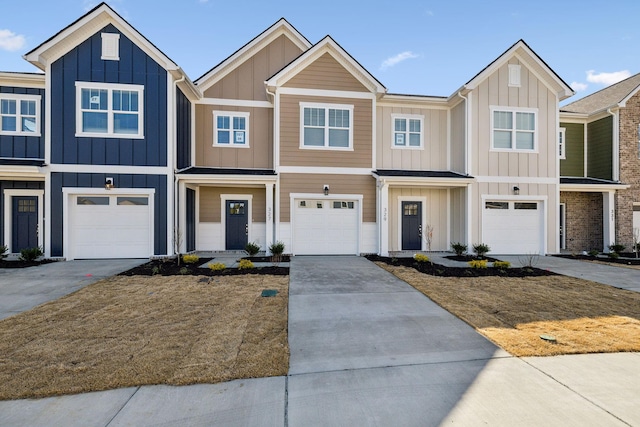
[(281, 27), (523, 52), (92, 22), (615, 95), (330, 46)]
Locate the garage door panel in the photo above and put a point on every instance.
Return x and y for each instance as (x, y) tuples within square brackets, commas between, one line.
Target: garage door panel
[(507, 230), (325, 230)]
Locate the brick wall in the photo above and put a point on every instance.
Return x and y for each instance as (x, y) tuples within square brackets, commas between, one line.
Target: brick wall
[(629, 171), (583, 221)]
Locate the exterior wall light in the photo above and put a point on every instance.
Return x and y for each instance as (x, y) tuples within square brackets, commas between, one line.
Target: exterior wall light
[(516, 190), (326, 190), (108, 183)]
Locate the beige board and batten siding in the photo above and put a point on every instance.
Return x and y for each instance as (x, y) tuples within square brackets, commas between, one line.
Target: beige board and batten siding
[(458, 138), (258, 154), (532, 93), (364, 185), (291, 153), (247, 80), (458, 200), (211, 203), (433, 154), (436, 210), (328, 74)]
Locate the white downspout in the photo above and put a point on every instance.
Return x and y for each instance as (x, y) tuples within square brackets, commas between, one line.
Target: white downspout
[(174, 166), (467, 166)]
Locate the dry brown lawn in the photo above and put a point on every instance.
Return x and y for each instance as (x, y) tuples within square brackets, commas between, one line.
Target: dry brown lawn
[(130, 331), (583, 316)]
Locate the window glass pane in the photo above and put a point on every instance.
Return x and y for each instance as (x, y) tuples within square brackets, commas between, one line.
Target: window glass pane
[(314, 116), (414, 139), (502, 120), (125, 123), (400, 125), (525, 121), (28, 108), (339, 118), (337, 205), (414, 125), (399, 139), (501, 139), (9, 123), (223, 137), (526, 205), (524, 140), (94, 99), (314, 137), (87, 200), (28, 124), (133, 201), (496, 205), (236, 208), (410, 209), (239, 123), (238, 137), (8, 106), (223, 122), (338, 138), (94, 122)]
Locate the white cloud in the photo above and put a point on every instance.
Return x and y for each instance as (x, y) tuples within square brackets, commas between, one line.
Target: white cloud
[(607, 79), (429, 12), (11, 41), (394, 60), (579, 87)]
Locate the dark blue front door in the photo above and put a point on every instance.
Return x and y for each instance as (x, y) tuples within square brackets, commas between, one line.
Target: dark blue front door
[(411, 225), (237, 227), (25, 223)]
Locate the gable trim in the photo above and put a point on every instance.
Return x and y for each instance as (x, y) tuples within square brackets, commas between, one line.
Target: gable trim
[(325, 93)]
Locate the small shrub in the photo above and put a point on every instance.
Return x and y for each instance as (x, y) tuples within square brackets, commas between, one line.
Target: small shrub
[(478, 263), (459, 248), (616, 248), (190, 258), (4, 251), (30, 254), (502, 265), (276, 250), (218, 266), (157, 269), (421, 258), (481, 250), (594, 252), (184, 270), (529, 260), (252, 248), (245, 264), (613, 255)]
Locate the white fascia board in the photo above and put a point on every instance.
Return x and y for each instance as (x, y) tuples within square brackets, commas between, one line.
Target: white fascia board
[(26, 80), (567, 117), (27, 173), (593, 188), (414, 101), (425, 182), (282, 27), (227, 179)]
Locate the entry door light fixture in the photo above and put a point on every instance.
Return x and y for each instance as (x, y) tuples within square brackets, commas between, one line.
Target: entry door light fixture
[(516, 190), (108, 183), (326, 190)]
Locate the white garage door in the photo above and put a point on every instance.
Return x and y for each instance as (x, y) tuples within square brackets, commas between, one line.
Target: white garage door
[(113, 226), (512, 227), (325, 227)]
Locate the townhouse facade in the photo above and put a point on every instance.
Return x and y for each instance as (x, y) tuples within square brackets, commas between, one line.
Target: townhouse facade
[(114, 152)]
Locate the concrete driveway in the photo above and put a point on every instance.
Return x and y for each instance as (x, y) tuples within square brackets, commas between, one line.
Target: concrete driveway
[(369, 350), (21, 289)]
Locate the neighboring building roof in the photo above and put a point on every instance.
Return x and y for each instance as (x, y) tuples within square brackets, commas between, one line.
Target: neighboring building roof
[(586, 181), (22, 162), (573, 183), (195, 170), (420, 173), (612, 96)]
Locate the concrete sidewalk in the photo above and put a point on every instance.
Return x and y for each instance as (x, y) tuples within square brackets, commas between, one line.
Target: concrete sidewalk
[(367, 349)]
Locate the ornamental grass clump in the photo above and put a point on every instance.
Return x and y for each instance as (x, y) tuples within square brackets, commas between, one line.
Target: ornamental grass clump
[(478, 263), (502, 265), (421, 258), (190, 258), (218, 266), (459, 248), (252, 248), (245, 264)]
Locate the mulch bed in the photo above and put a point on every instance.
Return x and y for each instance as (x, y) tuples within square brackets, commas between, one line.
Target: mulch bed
[(22, 264), (626, 259), (434, 269), (170, 267)]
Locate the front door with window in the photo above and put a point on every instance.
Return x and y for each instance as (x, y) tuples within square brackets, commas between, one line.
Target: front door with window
[(24, 223), (411, 226), (237, 224)]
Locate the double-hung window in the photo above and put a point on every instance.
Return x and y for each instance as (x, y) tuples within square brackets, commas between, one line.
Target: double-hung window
[(230, 129), (513, 129), (20, 114), (562, 135), (326, 126), (408, 131), (109, 110)]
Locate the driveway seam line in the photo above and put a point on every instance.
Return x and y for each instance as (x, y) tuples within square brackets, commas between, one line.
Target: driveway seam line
[(123, 406), (286, 401), (576, 392)]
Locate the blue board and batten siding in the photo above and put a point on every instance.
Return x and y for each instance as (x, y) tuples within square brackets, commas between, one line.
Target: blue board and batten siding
[(96, 180), (84, 64), (20, 146), (183, 130)]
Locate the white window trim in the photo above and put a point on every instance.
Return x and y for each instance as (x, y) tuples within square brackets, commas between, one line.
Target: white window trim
[(22, 97), (562, 143), (110, 41), (407, 117), (327, 107), (232, 142), (494, 108), (110, 87)]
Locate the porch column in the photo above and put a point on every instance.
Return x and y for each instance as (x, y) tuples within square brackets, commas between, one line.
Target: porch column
[(181, 222), (269, 215), (608, 219), (383, 213)]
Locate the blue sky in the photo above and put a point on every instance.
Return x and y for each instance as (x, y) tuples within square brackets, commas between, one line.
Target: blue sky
[(413, 47)]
